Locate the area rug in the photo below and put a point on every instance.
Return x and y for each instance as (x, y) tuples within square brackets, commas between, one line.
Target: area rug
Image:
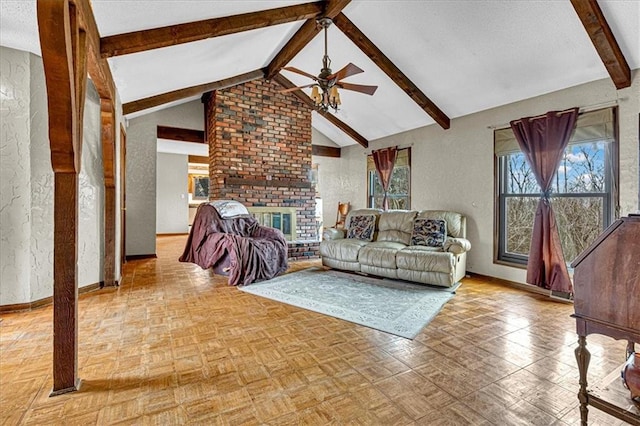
[(391, 306)]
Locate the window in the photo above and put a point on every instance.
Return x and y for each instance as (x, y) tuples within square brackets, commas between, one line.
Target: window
[(399, 188), (583, 192)]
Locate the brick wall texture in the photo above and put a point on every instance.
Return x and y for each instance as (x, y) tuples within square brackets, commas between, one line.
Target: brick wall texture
[(260, 150)]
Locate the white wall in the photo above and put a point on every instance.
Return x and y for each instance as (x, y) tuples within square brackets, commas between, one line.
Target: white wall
[(454, 169), (15, 179), (118, 181), (172, 202), (91, 195), (330, 184), (141, 171), (26, 185), (41, 208)]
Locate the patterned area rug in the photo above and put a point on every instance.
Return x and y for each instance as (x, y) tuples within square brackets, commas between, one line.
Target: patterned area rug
[(395, 307)]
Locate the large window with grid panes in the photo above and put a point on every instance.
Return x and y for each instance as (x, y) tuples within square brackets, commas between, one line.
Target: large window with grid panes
[(583, 193)]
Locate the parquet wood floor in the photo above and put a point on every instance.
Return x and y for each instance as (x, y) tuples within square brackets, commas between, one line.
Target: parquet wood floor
[(176, 345)]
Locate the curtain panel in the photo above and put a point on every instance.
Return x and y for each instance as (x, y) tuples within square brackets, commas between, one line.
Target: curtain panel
[(543, 140), (384, 160)]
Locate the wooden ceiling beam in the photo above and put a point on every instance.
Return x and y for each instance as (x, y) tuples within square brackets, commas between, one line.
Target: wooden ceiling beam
[(302, 37), (180, 134), (604, 41), (389, 68), (326, 151), (287, 84), (200, 159), (139, 41), (164, 98)]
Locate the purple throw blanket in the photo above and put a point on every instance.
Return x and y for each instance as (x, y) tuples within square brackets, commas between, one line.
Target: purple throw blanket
[(252, 252)]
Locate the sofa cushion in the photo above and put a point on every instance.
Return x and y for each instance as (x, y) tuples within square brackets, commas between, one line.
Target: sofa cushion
[(345, 249), (456, 222), (429, 232), (361, 227), (422, 258), (396, 226), (380, 253)]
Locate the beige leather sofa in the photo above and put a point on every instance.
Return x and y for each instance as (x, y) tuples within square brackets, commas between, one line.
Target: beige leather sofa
[(390, 252)]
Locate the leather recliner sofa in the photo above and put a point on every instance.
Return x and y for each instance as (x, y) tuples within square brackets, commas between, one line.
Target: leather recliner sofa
[(394, 244)]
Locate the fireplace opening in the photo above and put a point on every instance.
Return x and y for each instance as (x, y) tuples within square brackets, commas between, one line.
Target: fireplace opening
[(282, 218)]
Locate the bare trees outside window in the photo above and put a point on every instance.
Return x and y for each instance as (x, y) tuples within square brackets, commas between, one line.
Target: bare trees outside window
[(399, 187), (582, 196)]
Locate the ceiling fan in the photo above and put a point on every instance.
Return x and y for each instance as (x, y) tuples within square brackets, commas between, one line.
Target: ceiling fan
[(324, 90)]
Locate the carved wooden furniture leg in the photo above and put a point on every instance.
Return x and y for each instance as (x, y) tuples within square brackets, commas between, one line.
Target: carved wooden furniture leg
[(583, 357), (630, 349)]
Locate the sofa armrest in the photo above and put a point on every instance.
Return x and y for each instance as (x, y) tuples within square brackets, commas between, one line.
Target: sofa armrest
[(333, 234), (457, 245)]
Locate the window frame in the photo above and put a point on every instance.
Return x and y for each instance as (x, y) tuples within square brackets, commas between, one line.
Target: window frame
[(610, 198), (371, 176)]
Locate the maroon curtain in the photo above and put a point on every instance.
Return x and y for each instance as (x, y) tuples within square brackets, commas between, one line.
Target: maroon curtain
[(543, 141), (385, 159)]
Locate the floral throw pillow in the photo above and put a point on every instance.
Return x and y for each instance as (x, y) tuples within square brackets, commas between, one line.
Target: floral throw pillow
[(429, 232), (362, 227)]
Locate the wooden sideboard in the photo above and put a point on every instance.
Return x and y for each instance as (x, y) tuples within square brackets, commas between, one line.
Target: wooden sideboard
[(607, 302)]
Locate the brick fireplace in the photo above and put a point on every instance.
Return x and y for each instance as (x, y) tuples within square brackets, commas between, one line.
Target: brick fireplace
[(260, 154)]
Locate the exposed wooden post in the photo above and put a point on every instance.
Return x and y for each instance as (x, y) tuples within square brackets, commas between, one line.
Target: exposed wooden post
[(108, 130), (65, 284), (63, 46)]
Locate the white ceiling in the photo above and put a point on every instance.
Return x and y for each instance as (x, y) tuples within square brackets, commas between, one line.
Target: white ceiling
[(465, 55)]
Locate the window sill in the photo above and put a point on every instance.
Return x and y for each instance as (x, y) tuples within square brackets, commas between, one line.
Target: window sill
[(511, 264)]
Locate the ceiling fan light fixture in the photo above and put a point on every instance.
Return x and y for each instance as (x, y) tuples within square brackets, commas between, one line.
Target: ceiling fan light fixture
[(329, 98), (334, 96), (324, 90)]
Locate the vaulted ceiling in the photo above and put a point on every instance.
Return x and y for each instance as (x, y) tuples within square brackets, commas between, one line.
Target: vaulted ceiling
[(432, 60)]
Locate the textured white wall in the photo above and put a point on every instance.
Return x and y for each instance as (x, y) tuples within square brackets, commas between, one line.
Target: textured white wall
[(172, 202), (119, 122), (41, 188), (454, 169), (26, 185), (141, 171), (91, 195), (15, 229)]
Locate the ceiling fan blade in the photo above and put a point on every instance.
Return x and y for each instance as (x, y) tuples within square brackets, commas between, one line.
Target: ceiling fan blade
[(362, 88), (291, 89), (348, 70), (299, 71)]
